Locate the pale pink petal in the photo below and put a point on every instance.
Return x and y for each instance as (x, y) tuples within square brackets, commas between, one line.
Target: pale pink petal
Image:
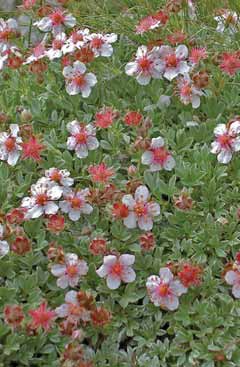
[(71, 297), (224, 156), (181, 52), (51, 208), (127, 259), (131, 68), (171, 303), (157, 142), (236, 290), (145, 223), (58, 270), (220, 130), (169, 164), (128, 201), (166, 275), (142, 193), (62, 282), (113, 282), (130, 222), (143, 79), (92, 143), (178, 288), (128, 275), (147, 157), (74, 215), (154, 209), (13, 157), (102, 271), (87, 209), (62, 311), (231, 277), (81, 151)]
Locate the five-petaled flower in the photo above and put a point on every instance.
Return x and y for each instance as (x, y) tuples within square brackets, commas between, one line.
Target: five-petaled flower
[(56, 21), (75, 203), (164, 290), (77, 80), (158, 157), (69, 273), (117, 269), (82, 139), (10, 145), (227, 141), (41, 201), (141, 210)]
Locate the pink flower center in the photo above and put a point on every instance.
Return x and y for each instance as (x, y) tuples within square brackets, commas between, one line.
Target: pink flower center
[(76, 203), (57, 18), (140, 209), (117, 269), (96, 43), (41, 199), (186, 90), (4, 35), (79, 80), (57, 44), (171, 61), (163, 290), (56, 176), (72, 270), (76, 37), (225, 141), (144, 63), (160, 155), (81, 137), (10, 144)]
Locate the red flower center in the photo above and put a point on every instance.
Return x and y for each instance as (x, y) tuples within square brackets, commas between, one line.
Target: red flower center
[(163, 290), (96, 43), (160, 155), (144, 63), (41, 199), (76, 37), (72, 270), (56, 176), (171, 61), (79, 80), (140, 209), (5, 35), (10, 144), (225, 141), (76, 203), (81, 137), (186, 90), (117, 269), (57, 18), (57, 44)]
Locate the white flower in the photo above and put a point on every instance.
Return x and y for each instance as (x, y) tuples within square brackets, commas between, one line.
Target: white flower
[(82, 139), (147, 65), (116, 269), (69, 273), (227, 20), (10, 145), (227, 141), (56, 21), (158, 157), (38, 53), (188, 92), (7, 28), (141, 210), (101, 43), (76, 41), (56, 51), (174, 61), (75, 204), (60, 176), (4, 248), (164, 291), (77, 80), (44, 193)]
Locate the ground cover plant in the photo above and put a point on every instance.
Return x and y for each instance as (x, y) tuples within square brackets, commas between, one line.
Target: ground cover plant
[(119, 184)]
